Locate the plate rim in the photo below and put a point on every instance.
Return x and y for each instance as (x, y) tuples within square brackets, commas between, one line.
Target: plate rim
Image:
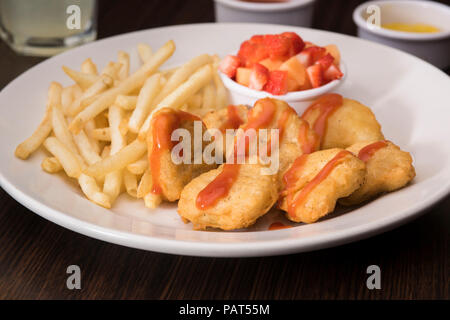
[(219, 249)]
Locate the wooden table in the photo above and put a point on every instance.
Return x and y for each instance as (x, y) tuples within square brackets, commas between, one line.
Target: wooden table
[(34, 253)]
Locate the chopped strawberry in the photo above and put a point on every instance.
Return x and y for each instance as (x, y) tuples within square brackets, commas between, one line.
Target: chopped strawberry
[(305, 57), (315, 75), (332, 73), (258, 77), (229, 65), (257, 39), (278, 83), (279, 47), (297, 43), (326, 61), (252, 53)]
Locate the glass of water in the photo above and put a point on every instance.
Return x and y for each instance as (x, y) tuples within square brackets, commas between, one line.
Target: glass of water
[(47, 27)]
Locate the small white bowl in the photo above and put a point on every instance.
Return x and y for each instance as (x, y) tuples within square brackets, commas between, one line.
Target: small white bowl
[(299, 100), (293, 12), (431, 47)]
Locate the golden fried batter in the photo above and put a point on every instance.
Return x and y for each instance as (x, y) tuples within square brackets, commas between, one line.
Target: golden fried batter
[(250, 197), (388, 169), (316, 181), (169, 178), (350, 123), (230, 117)]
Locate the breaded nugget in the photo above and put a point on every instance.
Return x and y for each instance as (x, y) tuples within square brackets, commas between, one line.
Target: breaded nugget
[(295, 135), (250, 197), (168, 177), (316, 181), (388, 169), (231, 117), (348, 123)]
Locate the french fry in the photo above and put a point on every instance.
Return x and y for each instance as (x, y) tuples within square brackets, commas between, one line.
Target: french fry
[(89, 129), (103, 83), (113, 180), (152, 201), (66, 158), (124, 59), (31, 144), (133, 82), (147, 94), (112, 70), (59, 123), (221, 91), (145, 185), (129, 154), (144, 191), (208, 97), (66, 97), (113, 184), (102, 134), (87, 150), (139, 166), (105, 152), (144, 51), (51, 165), (118, 141), (130, 182), (195, 101), (180, 95), (89, 67), (92, 191), (84, 80), (182, 74), (123, 127), (126, 102)]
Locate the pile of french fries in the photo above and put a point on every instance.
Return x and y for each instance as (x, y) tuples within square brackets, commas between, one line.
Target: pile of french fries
[(95, 130)]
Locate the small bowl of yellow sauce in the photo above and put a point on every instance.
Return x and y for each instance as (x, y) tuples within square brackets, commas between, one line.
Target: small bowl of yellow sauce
[(421, 28)]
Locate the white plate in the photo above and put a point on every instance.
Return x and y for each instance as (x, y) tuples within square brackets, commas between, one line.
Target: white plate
[(409, 97)]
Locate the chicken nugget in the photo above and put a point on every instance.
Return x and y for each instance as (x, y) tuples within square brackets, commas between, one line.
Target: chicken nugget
[(250, 196), (168, 176), (231, 117), (388, 169), (316, 181), (342, 122)]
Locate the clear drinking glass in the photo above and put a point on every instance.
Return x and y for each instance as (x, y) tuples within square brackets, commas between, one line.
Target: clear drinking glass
[(47, 27)]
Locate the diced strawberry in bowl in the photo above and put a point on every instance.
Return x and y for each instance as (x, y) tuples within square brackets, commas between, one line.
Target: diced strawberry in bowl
[(332, 73), (258, 77), (326, 61), (315, 75), (282, 65), (277, 83), (229, 65)]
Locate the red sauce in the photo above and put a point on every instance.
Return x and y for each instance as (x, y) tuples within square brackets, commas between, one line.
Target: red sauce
[(309, 144), (163, 124), (327, 105), (368, 151), (278, 226), (290, 179), (281, 125), (221, 185), (234, 121)]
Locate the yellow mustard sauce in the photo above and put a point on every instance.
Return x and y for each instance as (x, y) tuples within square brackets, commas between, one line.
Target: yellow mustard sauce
[(416, 27)]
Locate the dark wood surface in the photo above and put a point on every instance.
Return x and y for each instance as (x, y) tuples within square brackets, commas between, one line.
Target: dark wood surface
[(34, 253)]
